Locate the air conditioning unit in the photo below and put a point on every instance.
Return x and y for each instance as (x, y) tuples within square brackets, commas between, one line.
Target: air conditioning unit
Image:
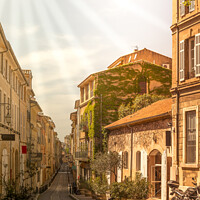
[(166, 66)]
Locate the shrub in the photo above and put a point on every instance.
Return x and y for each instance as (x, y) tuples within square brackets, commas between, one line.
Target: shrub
[(100, 185), (137, 189)]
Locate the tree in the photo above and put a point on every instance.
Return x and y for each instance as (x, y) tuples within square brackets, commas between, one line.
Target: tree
[(138, 103), (187, 2), (106, 163)]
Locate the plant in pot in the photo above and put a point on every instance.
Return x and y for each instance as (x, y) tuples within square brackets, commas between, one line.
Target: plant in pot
[(100, 186)]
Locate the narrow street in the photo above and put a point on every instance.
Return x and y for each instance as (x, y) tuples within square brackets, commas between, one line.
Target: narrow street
[(59, 188)]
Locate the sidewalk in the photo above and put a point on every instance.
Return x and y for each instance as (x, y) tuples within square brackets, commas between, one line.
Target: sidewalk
[(80, 197)]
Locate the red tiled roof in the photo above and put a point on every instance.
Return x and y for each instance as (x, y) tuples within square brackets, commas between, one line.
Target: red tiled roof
[(158, 109)]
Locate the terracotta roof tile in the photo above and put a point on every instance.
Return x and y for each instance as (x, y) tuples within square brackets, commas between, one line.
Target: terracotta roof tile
[(157, 109)]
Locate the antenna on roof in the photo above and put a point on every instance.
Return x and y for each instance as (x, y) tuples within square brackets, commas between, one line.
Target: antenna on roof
[(135, 48)]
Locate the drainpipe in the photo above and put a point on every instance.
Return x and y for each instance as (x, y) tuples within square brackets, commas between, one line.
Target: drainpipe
[(131, 167), (177, 92), (20, 130)]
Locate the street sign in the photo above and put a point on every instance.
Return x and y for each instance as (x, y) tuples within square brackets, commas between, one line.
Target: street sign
[(8, 137), (36, 157)]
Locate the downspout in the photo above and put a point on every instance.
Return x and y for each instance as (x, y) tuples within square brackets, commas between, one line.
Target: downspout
[(20, 130), (131, 167), (177, 92)]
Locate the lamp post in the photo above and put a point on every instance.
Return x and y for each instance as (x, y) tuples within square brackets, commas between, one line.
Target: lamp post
[(7, 117)]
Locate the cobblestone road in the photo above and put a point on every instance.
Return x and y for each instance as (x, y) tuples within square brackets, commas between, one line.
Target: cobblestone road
[(59, 188)]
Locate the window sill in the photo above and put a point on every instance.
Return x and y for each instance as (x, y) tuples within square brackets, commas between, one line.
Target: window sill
[(185, 165)]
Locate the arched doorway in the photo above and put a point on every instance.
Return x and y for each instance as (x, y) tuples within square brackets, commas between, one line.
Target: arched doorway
[(4, 168), (154, 172)]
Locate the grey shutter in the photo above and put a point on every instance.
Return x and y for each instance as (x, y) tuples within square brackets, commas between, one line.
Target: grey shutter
[(197, 55), (192, 5), (182, 61), (182, 7)]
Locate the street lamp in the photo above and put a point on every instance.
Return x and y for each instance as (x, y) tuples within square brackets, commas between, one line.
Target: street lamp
[(8, 115)]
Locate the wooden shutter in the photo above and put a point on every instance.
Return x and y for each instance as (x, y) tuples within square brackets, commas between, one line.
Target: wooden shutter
[(168, 138), (182, 7), (192, 5), (197, 55), (182, 61), (138, 160), (144, 163)]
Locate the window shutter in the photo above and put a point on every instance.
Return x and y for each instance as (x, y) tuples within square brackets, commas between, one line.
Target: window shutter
[(192, 5), (182, 8), (197, 55), (138, 160), (182, 61), (168, 138), (144, 163)]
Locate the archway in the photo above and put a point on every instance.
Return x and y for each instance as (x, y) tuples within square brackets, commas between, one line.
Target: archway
[(154, 172), (4, 168)]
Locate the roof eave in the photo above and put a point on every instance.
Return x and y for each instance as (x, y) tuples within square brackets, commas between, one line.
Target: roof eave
[(139, 121)]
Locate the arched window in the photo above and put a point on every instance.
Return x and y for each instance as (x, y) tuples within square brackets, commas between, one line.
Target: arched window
[(125, 155), (138, 161)]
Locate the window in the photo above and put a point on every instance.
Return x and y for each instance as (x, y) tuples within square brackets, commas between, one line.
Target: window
[(9, 74), (191, 136), (192, 5), (138, 161), (142, 85), (82, 94), (168, 138), (125, 160), (197, 54), (91, 89), (182, 61), (6, 70), (191, 58), (182, 8), (129, 60), (186, 9), (189, 61), (13, 81), (86, 92)]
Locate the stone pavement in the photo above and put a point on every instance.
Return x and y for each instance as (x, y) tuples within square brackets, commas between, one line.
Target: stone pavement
[(59, 187), (80, 197)]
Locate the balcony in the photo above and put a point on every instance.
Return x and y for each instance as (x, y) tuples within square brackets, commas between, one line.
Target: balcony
[(81, 155)]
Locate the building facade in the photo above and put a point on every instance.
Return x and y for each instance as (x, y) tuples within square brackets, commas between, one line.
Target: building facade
[(143, 140), (103, 92), (22, 134), (185, 91)]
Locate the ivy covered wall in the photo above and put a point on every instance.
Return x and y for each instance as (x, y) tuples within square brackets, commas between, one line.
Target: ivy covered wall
[(121, 85)]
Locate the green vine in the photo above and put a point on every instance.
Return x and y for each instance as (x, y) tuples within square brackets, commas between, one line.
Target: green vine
[(121, 85)]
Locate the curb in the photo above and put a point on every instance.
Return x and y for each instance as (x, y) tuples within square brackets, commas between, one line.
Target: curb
[(73, 197)]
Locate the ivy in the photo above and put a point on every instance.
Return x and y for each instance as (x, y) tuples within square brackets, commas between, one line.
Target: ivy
[(121, 85)]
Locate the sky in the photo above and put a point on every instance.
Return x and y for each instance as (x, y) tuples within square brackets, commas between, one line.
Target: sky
[(64, 41)]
